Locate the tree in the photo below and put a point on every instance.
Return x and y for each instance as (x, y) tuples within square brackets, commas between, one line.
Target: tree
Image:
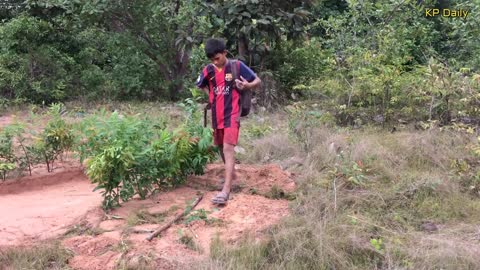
[(255, 26), (162, 30)]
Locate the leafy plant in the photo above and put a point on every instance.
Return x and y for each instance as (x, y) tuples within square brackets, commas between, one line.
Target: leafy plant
[(7, 154), (55, 139), (10, 158), (129, 155), (352, 173), (5, 167)]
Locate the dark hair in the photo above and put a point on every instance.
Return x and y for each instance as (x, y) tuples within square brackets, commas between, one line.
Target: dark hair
[(214, 46)]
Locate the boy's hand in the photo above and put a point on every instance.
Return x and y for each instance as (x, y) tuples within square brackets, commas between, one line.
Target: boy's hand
[(242, 83)]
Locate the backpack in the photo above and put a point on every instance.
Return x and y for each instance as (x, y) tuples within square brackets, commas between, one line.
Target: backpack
[(245, 95)]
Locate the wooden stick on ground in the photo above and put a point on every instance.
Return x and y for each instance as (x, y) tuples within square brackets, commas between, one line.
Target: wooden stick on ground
[(177, 218)]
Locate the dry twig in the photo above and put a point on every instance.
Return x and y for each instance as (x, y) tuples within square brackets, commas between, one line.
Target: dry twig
[(177, 218)]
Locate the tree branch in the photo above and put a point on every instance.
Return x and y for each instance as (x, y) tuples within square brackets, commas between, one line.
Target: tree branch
[(177, 218)]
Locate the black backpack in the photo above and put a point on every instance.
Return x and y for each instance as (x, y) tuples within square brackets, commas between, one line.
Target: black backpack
[(245, 95)]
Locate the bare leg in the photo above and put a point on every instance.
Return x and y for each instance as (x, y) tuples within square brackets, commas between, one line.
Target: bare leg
[(220, 147), (229, 166)]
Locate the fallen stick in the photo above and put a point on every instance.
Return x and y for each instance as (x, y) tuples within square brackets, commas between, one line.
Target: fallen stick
[(177, 218), (142, 231), (113, 217)]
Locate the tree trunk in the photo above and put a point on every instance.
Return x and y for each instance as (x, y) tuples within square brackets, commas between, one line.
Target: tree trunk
[(243, 52)]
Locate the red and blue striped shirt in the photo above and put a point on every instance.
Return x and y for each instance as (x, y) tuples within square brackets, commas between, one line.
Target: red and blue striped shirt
[(223, 94)]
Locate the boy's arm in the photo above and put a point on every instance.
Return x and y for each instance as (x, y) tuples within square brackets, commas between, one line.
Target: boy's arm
[(248, 78), (243, 84), (202, 82), (253, 84)]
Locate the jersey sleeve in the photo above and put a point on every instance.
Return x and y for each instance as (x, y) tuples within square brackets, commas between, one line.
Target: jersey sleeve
[(247, 72), (202, 80)]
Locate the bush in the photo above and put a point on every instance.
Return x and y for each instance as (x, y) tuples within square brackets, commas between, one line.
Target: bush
[(33, 64), (130, 155)]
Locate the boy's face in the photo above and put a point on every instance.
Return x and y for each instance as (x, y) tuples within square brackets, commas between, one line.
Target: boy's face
[(219, 59)]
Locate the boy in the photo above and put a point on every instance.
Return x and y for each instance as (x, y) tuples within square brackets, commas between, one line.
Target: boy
[(217, 80)]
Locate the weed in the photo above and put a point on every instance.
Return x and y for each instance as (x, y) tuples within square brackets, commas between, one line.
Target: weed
[(122, 246), (200, 214), (258, 131), (84, 229), (137, 262), (278, 193), (144, 217), (188, 241), (246, 256), (378, 245), (46, 256)]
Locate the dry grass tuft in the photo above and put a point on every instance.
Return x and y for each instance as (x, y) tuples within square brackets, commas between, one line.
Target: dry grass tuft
[(274, 148), (142, 216), (48, 256), (137, 262)]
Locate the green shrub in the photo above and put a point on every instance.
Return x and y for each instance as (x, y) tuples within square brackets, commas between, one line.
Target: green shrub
[(129, 155)]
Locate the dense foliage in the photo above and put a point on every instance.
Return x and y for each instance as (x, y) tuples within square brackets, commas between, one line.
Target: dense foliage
[(382, 60)]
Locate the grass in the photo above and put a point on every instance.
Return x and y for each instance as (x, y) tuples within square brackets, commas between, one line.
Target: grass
[(189, 241), (362, 198), (83, 228), (278, 193), (137, 262), (201, 214), (50, 256), (142, 216)]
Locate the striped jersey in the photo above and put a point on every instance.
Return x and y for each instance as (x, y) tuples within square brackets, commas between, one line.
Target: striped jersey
[(223, 95)]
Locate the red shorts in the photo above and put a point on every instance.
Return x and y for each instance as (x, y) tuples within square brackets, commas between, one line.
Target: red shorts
[(226, 135)]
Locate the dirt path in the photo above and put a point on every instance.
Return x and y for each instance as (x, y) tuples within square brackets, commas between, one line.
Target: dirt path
[(46, 206)]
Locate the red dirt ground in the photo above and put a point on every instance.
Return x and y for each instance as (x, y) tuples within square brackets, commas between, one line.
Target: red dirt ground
[(47, 205)]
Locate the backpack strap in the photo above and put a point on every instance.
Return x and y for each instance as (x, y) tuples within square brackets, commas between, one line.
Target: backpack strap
[(235, 71)]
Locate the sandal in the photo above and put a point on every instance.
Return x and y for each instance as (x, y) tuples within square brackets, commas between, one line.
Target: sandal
[(221, 198)]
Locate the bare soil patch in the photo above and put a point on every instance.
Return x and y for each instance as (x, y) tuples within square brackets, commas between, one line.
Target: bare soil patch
[(62, 205), (43, 205)]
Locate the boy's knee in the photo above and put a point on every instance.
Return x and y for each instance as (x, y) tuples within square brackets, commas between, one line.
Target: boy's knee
[(228, 147)]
